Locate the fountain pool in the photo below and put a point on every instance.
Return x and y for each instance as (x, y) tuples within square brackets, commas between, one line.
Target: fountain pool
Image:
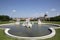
[(42, 31), (35, 31)]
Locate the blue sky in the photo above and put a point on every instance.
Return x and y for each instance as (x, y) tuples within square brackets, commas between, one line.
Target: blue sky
[(29, 8)]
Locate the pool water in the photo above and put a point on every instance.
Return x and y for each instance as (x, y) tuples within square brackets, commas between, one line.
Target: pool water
[(35, 31)]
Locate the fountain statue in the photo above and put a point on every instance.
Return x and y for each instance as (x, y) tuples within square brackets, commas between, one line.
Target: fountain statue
[(39, 22), (17, 21), (27, 23)]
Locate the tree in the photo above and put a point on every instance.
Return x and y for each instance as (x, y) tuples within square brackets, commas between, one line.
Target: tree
[(5, 18), (56, 18)]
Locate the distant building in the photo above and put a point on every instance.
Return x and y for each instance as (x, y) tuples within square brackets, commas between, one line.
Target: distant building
[(45, 16)]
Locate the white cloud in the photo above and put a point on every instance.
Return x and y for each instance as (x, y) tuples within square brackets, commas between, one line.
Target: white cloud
[(53, 9), (13, 10), (58, 13), (46, 12)]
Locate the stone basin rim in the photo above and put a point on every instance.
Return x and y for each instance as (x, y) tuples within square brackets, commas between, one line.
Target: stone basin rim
[(42, 37)]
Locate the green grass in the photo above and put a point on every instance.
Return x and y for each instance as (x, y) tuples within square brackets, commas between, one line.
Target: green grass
[(4, 22), (57, 36), (3, 36), (54, 22)]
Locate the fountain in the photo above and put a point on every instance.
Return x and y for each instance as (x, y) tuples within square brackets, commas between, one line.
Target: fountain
[(27, 23), (17, 22), (27, 31), (39, 22)]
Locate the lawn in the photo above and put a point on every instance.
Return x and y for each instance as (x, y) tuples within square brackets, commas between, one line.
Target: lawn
[(54, 22), (4, 22), (56, 37), (3, 36)]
